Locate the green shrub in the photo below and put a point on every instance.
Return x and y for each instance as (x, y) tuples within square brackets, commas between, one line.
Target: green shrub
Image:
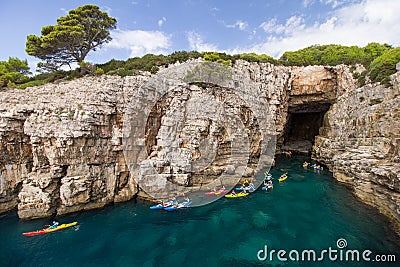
[(154, 69), (74, 74), (183, 56), (122, 72), (99, 71), (113, 64), (51, 76), (11, 84), (361, 79), (219, 58), (253, 57), (334, 54), (384, 66), (12, 72), (31, 84)]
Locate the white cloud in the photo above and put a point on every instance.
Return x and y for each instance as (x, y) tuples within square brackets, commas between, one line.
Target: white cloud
[(333, 3), (307, 3), (196, 43), (140, 42), (352, 24), (241, 25), (161, 21), (294, 23), (106, 9), (270, 26)]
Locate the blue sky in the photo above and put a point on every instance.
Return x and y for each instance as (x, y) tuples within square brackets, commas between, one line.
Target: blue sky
[(261, 26)]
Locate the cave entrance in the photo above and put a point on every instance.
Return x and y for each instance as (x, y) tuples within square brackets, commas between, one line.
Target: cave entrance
[(302, 126)]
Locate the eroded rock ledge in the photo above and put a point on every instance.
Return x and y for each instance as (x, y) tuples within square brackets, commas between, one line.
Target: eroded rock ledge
[(61, 144), (360, 143)]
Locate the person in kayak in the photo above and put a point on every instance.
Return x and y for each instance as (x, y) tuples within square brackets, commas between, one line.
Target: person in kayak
[(233, 193), (318, 168), (55, 224)]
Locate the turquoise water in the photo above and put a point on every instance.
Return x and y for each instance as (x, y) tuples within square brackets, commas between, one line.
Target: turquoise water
[(307, 211)]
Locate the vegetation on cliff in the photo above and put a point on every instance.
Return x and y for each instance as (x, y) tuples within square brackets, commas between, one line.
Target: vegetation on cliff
[(334, 55), (13, 71), (379, 60), (87, 28), (383, 66)]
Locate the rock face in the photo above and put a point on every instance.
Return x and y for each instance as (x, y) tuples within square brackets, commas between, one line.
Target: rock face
[(360, 141), (61, 147), (61, 144)]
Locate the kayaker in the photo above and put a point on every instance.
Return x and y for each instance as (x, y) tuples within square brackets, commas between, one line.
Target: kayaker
[(55, 224), (233, 193), (318, 168)]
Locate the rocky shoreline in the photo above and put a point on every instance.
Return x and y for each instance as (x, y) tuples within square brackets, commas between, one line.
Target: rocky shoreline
[(61, 144), (360, 142)]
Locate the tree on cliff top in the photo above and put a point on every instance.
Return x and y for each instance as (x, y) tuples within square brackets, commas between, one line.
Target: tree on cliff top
[(84, 29), (13, 71)]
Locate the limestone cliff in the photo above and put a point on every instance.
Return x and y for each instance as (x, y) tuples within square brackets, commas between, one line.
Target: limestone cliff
[(61, 148), (360, 141)]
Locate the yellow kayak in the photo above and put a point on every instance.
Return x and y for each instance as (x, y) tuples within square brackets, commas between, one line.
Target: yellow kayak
[(60, 227), (282, 178), (49, 230), (236, 195)]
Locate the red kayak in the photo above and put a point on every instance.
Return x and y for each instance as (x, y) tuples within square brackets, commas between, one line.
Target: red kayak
[(38, 232), (49, 230)]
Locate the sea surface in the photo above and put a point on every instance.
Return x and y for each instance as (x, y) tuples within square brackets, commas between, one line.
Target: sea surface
[(309, 211)]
